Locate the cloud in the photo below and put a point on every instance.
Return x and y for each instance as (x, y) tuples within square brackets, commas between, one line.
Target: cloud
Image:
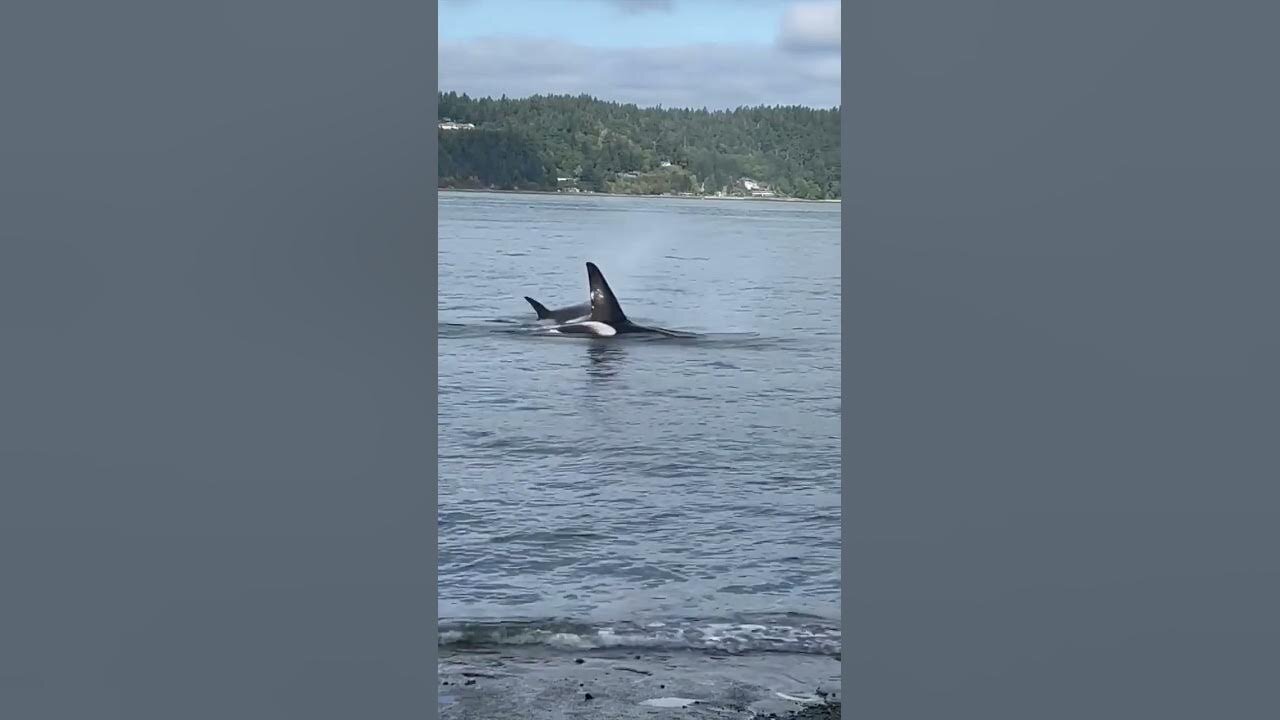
[(626, 6), (642, 6), (714, 76), (811, 26)]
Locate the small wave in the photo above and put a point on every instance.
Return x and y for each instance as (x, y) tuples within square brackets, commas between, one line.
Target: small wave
[(550, 537), (786, 634), (454, 330)]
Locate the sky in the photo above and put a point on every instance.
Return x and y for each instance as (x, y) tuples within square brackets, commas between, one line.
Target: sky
[(674, 53)]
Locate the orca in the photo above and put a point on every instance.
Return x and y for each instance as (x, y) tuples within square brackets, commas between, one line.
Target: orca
[(564, 314), (606, 318)]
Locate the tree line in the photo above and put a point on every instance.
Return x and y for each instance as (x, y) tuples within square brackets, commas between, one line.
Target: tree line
[(549, 142)]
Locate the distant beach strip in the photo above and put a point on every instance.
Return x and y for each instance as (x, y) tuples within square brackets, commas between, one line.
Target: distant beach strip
[(634, 195)]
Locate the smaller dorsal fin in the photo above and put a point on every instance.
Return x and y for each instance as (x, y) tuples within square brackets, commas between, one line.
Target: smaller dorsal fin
[(543, 312)]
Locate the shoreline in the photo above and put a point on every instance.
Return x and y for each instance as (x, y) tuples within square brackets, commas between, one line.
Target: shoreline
[(631, 195)]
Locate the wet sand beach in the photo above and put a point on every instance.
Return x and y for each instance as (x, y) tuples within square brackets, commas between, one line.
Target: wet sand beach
[(533, 684)]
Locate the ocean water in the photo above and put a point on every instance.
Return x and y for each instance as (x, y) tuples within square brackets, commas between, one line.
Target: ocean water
[(657, 494)]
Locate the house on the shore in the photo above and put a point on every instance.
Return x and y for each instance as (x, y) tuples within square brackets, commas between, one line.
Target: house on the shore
[(448, 124), (753, 188)]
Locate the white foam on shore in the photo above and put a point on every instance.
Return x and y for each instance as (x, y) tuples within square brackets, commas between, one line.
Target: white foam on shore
[(807, 637), (807, 699), (668, 702)]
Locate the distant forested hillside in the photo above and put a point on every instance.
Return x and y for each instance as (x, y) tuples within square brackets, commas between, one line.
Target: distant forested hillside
[(581, 143)]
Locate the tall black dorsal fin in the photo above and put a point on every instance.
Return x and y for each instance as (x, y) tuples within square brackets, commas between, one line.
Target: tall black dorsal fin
[(604, 306)]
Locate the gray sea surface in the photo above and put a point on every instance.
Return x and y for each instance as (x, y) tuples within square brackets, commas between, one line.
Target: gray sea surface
[(662, 495)]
